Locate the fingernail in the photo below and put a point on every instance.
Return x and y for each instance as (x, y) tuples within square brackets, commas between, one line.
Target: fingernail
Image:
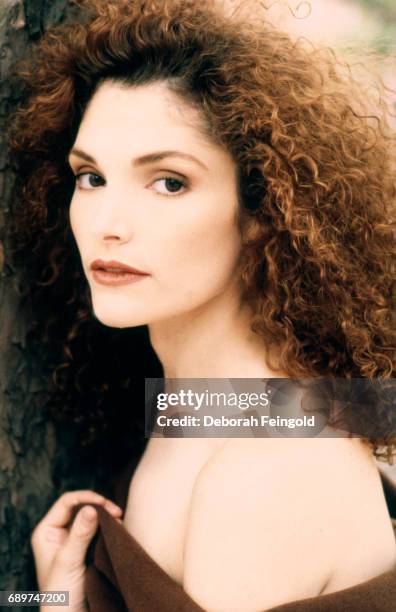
[(89, 513)]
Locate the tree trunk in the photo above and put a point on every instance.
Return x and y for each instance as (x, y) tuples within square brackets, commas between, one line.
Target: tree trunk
[(37, 462)]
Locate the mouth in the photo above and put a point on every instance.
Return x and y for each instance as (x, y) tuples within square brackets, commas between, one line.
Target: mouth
[(114, 266), (107, 277), (115, 273)]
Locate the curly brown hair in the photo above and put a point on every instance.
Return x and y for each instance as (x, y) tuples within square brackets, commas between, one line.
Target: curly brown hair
[(316, 189)]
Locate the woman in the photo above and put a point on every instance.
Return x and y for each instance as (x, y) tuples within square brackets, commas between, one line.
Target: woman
[(274, 258)]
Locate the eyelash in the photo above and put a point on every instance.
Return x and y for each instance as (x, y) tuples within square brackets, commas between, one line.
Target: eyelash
[(184, 183)]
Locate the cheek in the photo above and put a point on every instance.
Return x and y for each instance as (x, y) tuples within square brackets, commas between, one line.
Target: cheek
[(72, 218), (77, 222), (200, 256)]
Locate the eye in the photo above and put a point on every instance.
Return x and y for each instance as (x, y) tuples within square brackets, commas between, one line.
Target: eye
[(88, 180), (172, 184)]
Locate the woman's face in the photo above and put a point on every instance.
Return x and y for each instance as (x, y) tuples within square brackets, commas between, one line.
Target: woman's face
[(171, 217)]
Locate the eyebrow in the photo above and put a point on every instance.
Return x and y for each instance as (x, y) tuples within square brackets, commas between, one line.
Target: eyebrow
[(149, 158)]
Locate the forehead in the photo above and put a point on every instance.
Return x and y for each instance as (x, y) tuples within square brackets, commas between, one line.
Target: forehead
[(141, 111)]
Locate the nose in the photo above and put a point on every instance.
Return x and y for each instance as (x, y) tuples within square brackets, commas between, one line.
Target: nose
[(112, 220), (113, 238)]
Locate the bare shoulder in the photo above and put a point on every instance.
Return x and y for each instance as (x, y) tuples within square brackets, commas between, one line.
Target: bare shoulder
[(260, 506)]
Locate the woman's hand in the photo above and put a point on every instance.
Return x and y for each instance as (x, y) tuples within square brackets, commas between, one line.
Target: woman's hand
[(59, 546)]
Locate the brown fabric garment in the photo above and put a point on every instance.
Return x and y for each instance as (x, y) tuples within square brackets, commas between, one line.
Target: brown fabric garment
[(124, 578)]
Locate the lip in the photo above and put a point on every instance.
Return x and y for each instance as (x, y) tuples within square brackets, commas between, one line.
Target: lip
[(104, 277), (114, 266), (115, 273)]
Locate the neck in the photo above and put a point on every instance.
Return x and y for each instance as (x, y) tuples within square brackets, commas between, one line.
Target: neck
[(214, 341)]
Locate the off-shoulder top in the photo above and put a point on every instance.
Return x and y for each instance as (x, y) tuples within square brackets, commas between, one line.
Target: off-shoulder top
[(123, 577)]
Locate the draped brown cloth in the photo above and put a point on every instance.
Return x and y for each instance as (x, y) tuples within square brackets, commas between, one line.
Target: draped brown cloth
[(122, 577)]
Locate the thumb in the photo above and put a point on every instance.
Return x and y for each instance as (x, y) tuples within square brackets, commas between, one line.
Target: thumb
[(81, 533)]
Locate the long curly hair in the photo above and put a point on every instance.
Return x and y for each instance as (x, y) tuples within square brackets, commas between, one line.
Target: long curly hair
[(316, 186)]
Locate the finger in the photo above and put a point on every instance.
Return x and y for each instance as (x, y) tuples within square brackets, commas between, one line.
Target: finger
[(61, 511), (73, 551), (113, 508)]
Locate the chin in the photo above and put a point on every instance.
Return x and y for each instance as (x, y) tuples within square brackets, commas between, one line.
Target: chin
[(120, 323), (115, 309), (118, 319)]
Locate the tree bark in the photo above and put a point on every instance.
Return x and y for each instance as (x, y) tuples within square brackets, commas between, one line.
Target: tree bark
[(37, 462)]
